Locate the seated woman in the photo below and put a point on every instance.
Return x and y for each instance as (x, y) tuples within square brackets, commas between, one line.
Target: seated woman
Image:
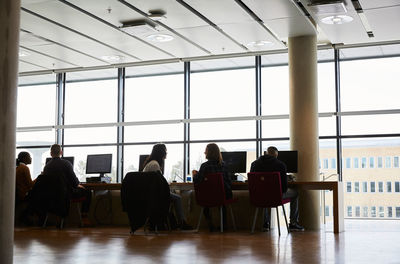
[(23, 180), (155, 162), (214, 164)]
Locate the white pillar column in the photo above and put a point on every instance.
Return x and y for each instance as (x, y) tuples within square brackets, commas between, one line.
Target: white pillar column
[(303, 94), (9, 37)]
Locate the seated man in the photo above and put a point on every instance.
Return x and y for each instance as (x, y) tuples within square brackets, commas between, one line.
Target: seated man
[(60, 166), (270, 163)]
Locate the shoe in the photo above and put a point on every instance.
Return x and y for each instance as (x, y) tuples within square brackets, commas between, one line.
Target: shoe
[(266, 227), (185, 226), (295, 227)]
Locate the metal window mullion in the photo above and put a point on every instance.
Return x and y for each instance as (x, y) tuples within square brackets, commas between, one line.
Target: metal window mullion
[(186, 126), (120, 118), (338, 117), (60, 108), (258, 106)]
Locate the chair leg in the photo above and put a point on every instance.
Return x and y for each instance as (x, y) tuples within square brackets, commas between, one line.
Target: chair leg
[(45, 220), (277, 217), (79, 214), (168, 222), (62, 223), (201, 214), (233, 218), (284, 213), (145, 225), (222, 219), (255, 220)]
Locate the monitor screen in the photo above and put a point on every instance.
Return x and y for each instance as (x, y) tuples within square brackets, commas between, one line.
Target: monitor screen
[(70, 159), (289, 157), (235, 161), (100, 163), (142, 159)]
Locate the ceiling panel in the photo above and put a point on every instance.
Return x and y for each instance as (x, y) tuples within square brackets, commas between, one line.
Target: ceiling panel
[(369, 4), (383, 21), (155, 69), (27, 67)]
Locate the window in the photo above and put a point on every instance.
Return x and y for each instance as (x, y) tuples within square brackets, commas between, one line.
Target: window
[(381, 211), (325, 163), (397, 186), (363, 162), (380, 186), (357, 211), (397, 212), (356, 187), (327, 210), (389, 187), (348, 187), (388, 162), (371, 162), (349, 211), (372, 185), (373, 211), (365, 211), (395, 162), (365, 187), (348, 163), (389, 211), (333, 163), (380, 162), (355, 163)]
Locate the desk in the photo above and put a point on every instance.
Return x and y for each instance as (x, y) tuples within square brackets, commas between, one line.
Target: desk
[(334, 186), (99, 186)]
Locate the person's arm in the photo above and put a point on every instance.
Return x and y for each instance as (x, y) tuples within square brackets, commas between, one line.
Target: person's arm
[(28, 178), (284, 177), (199, 176), (72, 175), (253, 167)]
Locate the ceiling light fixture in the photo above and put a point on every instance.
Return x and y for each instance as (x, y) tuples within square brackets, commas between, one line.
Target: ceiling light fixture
[(157, 15), (23, 53), (159, 37), (259, 43), (113, 58), (337, 19)]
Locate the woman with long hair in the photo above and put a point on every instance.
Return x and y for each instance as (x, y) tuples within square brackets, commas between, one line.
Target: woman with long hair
[(214, 164), (23, 180), (155, 162)]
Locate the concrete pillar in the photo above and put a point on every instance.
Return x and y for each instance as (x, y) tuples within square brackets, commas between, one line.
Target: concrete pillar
[(303, 94), (9, 38)]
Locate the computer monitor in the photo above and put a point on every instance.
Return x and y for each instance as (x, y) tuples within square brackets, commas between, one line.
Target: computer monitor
[(70, 159), (142, 159), (289, 157), (99, 163), (235, 161)]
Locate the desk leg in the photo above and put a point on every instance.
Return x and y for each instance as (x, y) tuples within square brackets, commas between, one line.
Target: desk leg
[(338, 219)]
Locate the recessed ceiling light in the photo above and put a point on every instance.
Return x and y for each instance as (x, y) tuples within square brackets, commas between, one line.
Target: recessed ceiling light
[(159, 38), (337, 19), (113, 58), (259, 43), (23, 53)]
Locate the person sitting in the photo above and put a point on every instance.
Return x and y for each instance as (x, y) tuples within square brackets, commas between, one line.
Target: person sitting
[(60, 166), (270, 163), (23, 180), (214, 164), (155, 162)]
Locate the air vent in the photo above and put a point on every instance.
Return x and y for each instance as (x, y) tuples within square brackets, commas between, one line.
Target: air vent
[(139, 27), (325, 7)]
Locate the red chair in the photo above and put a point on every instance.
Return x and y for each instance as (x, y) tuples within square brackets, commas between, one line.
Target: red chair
[(265, 191), (211, 193)]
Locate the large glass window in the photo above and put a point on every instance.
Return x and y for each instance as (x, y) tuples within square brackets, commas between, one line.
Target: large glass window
[(38, 156)]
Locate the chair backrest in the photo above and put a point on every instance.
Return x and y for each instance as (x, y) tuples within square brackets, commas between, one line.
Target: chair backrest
[(265, 189), (210, 192)]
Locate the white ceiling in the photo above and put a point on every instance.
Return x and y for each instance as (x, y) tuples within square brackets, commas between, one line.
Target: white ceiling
[(77, 34)]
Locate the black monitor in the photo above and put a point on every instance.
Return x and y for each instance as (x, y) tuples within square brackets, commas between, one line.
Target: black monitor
[(236, 161), (99, 163), (70, 159), (289, 157), (142, 159)]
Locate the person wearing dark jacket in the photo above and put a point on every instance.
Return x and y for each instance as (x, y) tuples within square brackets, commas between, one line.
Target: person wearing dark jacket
[(270, 163), (63, 167), (214, 164)]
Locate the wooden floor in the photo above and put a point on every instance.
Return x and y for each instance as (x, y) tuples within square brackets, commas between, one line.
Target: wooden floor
[(363, 242)]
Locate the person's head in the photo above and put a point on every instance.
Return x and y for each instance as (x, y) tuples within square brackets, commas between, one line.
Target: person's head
[(24, 157), (55, 151), (213, 153), (159, 154), (272, 151)]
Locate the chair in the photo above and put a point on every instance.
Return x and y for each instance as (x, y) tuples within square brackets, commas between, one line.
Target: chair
[(265, 191), (75, 201), (211, 193)]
